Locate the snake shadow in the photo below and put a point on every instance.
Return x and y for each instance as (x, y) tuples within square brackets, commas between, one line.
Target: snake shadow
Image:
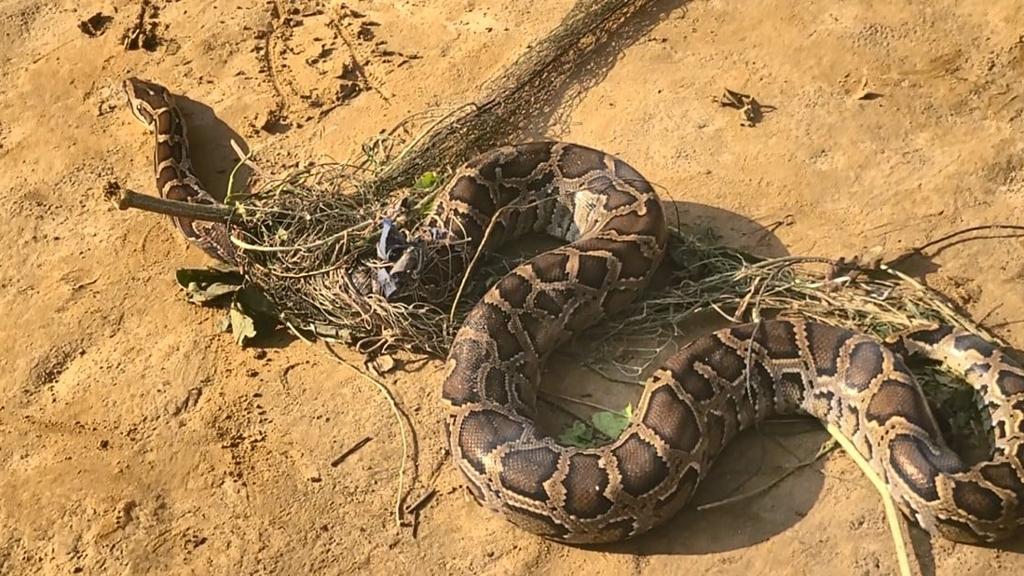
[(213, 160), (552, 108), (209, 139), (742, 501), (739, 511), (727, 228)]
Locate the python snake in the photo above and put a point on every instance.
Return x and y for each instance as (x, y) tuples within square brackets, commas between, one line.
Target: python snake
[(153, 105), (698, 400)]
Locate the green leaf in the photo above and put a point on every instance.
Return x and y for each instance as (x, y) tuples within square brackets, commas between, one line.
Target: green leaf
[(426, 181), (611, 424), (203, 285), (579, 435), (605, 427), (198, 294)]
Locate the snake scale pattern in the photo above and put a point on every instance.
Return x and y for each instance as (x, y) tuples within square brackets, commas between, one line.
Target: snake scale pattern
[(153, 105), (693, 405)]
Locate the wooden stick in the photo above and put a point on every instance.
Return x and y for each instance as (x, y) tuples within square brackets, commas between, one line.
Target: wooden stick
[(125, 199), (350, 451), (420, 502)]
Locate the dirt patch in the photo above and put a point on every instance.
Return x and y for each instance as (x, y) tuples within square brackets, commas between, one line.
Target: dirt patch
[(143, 33), (48, 369), (319, 56), (95, 25)]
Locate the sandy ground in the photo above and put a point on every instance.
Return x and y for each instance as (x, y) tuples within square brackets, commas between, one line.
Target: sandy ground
[(136, 438)]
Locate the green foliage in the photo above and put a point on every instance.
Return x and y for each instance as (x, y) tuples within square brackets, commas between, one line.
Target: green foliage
[(208, 285), (250, 313), (426, 181), (955, 405), (604, 426)]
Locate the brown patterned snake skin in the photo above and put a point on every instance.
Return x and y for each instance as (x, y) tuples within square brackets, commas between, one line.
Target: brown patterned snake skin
[(714, 388), (703, 396), (154, 106)]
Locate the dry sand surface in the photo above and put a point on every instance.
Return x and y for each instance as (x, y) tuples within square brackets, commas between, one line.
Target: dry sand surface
[(135, 437)]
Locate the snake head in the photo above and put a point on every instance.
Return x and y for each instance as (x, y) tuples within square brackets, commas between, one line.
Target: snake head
[(145, 99)]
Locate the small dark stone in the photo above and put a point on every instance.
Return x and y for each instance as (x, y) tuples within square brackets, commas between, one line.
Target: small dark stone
[(95, 25)]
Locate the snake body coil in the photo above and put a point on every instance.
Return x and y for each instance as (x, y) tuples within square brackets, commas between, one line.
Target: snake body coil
[(697, 401)]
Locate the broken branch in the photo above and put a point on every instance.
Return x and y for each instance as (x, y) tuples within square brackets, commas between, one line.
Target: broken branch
[(126, 199)]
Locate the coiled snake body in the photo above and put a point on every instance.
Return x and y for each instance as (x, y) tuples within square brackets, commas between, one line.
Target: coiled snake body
[(699, 399)]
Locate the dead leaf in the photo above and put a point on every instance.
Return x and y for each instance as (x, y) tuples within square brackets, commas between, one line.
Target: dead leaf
[(385, 363), (242, 326)]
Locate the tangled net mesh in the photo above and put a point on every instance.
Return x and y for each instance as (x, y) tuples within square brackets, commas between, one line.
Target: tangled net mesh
[(302, 238), (302, 235)]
